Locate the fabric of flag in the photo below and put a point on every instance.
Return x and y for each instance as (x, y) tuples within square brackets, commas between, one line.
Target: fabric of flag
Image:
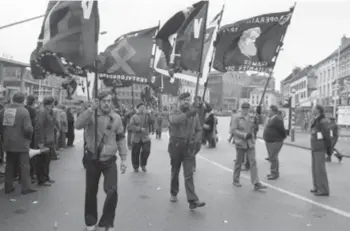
[(210, 37), (165, 85), (67, 43), (170, 28), (190, 39), (128, 60), (251, 44)]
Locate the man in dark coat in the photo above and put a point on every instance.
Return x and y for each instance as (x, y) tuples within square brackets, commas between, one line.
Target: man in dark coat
[(32, 114), (274, 134)]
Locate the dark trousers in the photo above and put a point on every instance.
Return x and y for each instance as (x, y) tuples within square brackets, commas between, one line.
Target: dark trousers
[(182, 153), (14, 159), (32, 167), (94, 169), (159, 133), (273, 149), (70, 138), (42, 166), (151, 128), (62, 140), (139, 153)]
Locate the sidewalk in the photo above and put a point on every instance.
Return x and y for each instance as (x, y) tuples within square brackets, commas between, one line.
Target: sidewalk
[(302, 140), (342, 132)]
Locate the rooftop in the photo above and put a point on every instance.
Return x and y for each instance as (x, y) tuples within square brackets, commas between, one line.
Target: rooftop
[(13, 63)]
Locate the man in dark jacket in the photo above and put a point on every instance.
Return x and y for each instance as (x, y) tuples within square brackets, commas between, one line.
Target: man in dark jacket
[(32, 114), (274, 134), (334, 130), (16, 131), (45, 137)]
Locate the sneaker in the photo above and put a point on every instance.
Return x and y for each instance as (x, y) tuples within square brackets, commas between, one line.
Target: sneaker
[(91, 228), (259, 186), (173, 199), (196, 204)]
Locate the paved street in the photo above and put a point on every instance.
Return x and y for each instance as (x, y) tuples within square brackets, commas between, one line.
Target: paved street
[(144, 197)]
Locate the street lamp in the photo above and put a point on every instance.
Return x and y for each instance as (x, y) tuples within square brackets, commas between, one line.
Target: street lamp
[(292, 105)]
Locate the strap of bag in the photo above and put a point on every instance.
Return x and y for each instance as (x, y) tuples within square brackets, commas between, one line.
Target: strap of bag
[(101, 143)]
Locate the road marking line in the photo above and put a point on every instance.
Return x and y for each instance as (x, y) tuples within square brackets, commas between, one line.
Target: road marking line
[(296, 196)]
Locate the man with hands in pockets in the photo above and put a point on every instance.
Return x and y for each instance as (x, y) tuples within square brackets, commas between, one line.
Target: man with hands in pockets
[(110, 140)]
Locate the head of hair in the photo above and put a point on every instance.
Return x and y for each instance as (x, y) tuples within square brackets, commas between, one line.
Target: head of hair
[(30, 100), (320, 109), (48, 100), (274, 109), (18, 97), (103, 94)]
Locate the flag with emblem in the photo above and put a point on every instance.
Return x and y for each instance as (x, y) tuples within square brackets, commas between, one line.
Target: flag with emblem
[(251, 44), (67, 43), (128, 59), (208, 49), (190, 40)]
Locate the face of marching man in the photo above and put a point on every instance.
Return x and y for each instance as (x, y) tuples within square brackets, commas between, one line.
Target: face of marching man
[(247, 41), (106, 104)]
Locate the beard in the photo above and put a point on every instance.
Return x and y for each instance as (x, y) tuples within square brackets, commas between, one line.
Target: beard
[(248, 49), (185, 107)]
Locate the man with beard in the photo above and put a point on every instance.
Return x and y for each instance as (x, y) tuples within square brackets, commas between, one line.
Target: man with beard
[(246, 49), (185, 132), (111, 139), (140, 141)]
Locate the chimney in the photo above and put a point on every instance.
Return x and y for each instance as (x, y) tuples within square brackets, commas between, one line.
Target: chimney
[(344, 39)]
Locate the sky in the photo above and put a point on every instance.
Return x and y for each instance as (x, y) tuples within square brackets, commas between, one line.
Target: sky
[(315, 31)]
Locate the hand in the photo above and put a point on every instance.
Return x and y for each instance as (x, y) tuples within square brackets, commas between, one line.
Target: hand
[(248, 136), (123, 166), (143, 130), (192, 112), (94, 104)]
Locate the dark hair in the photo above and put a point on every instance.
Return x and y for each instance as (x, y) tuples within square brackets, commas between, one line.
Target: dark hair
[(55, 102), (18, 97), (30, 100), (274, 108), (48, 100), (104, 94), (320, 109)]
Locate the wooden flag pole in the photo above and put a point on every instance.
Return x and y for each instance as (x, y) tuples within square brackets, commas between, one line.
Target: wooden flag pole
[(213, 54), (132, 96), (200, 71), (271, 71), (21, 22), (96, 94)]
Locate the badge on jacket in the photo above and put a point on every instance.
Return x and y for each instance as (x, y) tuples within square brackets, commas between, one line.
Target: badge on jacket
[(9, 117)]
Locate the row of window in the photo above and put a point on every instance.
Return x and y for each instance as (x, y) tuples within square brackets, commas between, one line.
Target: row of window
[(300, 85)]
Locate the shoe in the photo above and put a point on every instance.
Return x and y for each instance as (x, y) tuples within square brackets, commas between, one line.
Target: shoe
[(259, 186), (109, 229), (173, 199), (313, 190), (328, 159), (237, 184), (50, 181), (46, 184), (8, 191), (321, 194), (272, 177), (196, 204), (339, 157), (136, 169), (268, 159), (28, 191), (144, 169), (91, 228)]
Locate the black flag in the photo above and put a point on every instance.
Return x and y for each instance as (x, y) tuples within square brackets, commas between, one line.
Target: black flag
[(67, 43), (171, 27), (127, 61), (251, 44), (190, 39)]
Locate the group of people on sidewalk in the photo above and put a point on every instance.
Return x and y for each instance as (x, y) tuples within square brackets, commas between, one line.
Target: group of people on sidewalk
[(323, 138), (27, 126)]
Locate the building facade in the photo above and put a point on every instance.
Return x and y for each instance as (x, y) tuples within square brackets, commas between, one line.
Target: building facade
[(270, 98)]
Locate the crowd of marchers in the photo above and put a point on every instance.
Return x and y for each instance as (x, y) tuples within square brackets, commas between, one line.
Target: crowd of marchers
[(26, 126)]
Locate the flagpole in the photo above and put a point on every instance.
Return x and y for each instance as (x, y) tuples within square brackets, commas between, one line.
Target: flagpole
[(213, 54), (132, 96), (21, 22), (88, 88), (200, 71), (96, 94), (271, 71)]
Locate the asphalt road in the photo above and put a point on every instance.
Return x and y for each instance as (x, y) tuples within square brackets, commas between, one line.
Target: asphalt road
[(144, 197)]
